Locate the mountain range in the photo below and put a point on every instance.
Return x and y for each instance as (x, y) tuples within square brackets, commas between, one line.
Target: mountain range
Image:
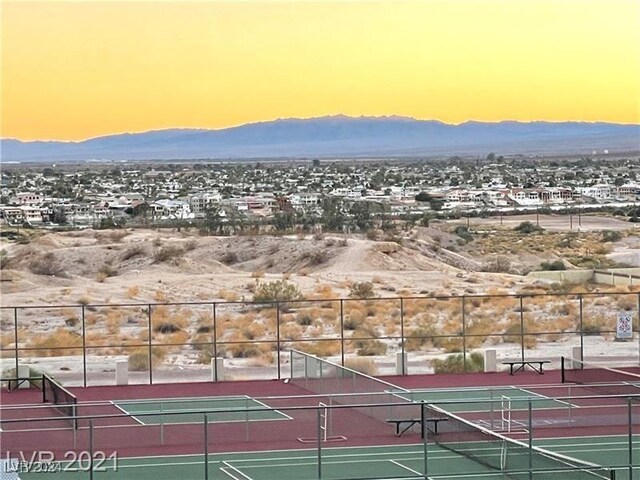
[(334, 136)]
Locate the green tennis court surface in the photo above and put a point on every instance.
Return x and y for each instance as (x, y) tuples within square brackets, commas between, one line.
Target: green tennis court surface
[(165, 411), (396, 462), (517, 398)]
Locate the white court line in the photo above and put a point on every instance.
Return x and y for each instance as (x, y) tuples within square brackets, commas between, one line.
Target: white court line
[(174, 399), (228, 465), (269, 407), (406, 468), (128, 413), (544, 396)]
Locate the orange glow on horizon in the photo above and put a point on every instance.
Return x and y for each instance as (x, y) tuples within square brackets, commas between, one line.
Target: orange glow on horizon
[(74, 70)]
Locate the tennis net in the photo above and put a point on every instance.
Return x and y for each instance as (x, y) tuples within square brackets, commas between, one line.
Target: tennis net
[(497, 452), (600, 378), (346, 386), (62, 399)]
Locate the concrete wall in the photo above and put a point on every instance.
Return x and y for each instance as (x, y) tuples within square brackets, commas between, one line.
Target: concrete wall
[(614, 276), (564, 276), (618, 276)]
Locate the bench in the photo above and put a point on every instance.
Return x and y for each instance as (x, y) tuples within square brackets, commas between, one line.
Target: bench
[(15, 382), (413, 421), (522, 363)]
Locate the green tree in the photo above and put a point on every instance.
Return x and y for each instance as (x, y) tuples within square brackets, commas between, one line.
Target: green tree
[(212, 222), (362, 213), (332, 213)]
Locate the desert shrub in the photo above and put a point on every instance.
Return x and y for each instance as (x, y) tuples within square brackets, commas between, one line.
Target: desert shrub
[(190, 245), (498, 264), (257, 274), (133, 291), (168, 253), (4, 259), (46, 264), (371, 347), (361, 290), (108, 270), (362, 365), (320, 348), (528, 228), (49, 345), (372, 235), (463, 232), (166, 327), (276, 291), (84, 300), (512, 335), (304, 319), (229, 258), (611, 236), (419, 337), (229, 295), (319, 257), (133, 251), (139, 359), (455, 363), (553, 266)]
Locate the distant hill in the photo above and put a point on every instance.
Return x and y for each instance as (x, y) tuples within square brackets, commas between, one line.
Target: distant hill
[(337, 136)]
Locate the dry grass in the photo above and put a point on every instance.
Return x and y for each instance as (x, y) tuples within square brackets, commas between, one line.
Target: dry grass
[(228, 295), (257, 274), (320, 348), (60, 342), (133, 291), (363, 365), (160, 296)]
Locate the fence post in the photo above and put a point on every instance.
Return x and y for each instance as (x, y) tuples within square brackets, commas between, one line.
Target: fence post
[(630, 420), (319, 433), (84, 348), (206, 447), (464, 336), (402, 341), (149, 346), (215, 341), (15, 338), (425, 434), (91, 449), (342, 331), (530, 442), (638, 328), (581, 328), (521, 329), (278, 336)]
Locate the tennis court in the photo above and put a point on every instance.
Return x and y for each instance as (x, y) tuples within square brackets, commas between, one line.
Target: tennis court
[(517, 397), (348, 418), (354, 462), (177, 410)]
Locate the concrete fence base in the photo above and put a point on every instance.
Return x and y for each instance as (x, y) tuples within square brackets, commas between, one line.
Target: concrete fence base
[(122, 372), (490, 360), (217, 369)]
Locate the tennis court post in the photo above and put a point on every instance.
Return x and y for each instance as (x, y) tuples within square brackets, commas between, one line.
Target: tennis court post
[(424, 430), (630, 418), (205, 425), (530, 441), (91, 449), (319, 433)]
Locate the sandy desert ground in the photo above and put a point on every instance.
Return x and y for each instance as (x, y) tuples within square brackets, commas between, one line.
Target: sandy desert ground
[(158, 266)]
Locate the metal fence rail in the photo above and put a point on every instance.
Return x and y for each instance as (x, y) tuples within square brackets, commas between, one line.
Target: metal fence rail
[(152, 335)]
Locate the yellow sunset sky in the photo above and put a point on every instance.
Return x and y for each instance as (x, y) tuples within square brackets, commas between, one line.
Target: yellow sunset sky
[(75, 70)]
